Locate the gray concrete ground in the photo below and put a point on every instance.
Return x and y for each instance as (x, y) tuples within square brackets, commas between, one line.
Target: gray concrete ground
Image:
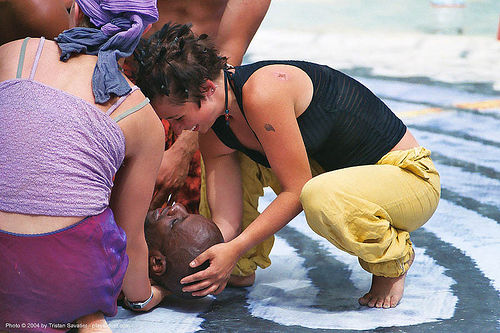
[(447, 90), (311, 286)]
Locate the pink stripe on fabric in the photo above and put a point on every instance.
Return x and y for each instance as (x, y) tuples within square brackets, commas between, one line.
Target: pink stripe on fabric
[(37, 57), (120, 101)]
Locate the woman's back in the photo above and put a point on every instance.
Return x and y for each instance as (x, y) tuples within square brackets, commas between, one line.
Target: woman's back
[(70, 223), (59, 150)]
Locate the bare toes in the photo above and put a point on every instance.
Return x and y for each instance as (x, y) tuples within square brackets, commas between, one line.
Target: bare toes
[(365, 299), (372, 302), (387, 303)]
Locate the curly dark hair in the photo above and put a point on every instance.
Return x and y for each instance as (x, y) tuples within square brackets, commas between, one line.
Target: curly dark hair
[(175, 62)]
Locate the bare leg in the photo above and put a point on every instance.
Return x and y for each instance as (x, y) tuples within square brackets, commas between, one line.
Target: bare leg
[(385, 292), (241, 281), (94, 323)]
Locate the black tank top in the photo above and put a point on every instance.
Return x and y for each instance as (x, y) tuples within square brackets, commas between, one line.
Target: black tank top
[(344, 125)]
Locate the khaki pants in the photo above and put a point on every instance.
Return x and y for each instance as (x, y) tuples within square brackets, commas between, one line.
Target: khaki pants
[(367, 211)]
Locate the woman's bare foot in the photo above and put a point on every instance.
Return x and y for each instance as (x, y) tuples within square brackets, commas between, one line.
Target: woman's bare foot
[(241, 281), (385, 292)]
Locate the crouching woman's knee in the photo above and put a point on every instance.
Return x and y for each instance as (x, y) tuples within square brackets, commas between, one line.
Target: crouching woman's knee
[(312, 198)]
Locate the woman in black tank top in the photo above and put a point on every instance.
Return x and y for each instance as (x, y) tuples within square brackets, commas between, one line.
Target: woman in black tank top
[(300, 119)]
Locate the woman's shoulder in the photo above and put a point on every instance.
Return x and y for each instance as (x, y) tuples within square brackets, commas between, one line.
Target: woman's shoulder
[(9, 57), (12, 53), (11, 44), (272, 81), (142, 127)]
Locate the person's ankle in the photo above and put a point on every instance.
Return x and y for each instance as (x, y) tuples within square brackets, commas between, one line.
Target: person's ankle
[(241, 281)]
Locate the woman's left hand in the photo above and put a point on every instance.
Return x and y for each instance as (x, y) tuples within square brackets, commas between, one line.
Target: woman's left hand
[(222, 258)]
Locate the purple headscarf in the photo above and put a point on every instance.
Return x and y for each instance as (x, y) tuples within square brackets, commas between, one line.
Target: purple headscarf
[(121, 25)]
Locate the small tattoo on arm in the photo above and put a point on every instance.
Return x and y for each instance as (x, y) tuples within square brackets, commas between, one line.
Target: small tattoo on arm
[(281, 76), (269, 127)]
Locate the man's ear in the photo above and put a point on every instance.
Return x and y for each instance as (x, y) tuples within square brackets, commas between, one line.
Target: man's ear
[(208, 88), (157, 263)]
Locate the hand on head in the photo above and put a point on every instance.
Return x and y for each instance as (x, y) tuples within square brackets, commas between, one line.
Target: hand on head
[(174, 239)]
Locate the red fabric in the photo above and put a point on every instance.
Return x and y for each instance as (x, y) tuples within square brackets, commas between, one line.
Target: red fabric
[(189, 194)]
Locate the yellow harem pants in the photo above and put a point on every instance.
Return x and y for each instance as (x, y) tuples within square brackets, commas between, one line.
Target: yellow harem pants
[(367, 211)]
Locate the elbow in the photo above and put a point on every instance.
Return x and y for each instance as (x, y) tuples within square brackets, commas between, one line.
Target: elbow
[(230, 232)]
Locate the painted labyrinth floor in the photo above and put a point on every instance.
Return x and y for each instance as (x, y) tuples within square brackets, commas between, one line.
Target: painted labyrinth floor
[(454, 284)]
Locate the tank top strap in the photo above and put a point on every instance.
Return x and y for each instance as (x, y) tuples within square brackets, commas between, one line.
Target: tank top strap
[(37, 57), (21, 58), (132, 110), (119, 102)]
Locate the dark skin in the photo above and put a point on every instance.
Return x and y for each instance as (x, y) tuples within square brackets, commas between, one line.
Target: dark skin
[(174, 239), (32, 18)]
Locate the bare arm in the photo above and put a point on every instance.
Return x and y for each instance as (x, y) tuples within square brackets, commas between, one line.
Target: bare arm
[(223, 179), (224, 195), (238, 25), (131, 195), (279, 134), (281, 140), (174, 168)]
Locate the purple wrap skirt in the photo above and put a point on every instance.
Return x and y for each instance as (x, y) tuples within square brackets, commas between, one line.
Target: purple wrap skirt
[(47, 281)]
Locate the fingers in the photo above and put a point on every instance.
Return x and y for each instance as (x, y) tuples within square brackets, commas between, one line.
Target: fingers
[(213, 279), (199, 276), (204, 256), (205, 288), (206, 292), (207, 282), (197, 287), (220, 289)]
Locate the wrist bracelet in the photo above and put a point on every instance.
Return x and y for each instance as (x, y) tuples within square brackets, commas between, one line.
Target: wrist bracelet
[(139, 305)]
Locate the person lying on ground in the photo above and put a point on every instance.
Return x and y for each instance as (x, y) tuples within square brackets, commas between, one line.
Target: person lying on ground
[(175, 237)]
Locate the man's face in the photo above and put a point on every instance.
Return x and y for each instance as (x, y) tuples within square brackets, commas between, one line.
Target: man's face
[(163, 220), (175, 238)]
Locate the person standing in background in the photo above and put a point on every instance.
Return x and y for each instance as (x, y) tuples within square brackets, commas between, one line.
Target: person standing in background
[(19, 19)]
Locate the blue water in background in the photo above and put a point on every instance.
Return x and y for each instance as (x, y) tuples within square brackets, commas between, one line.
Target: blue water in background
[(478, 17)]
